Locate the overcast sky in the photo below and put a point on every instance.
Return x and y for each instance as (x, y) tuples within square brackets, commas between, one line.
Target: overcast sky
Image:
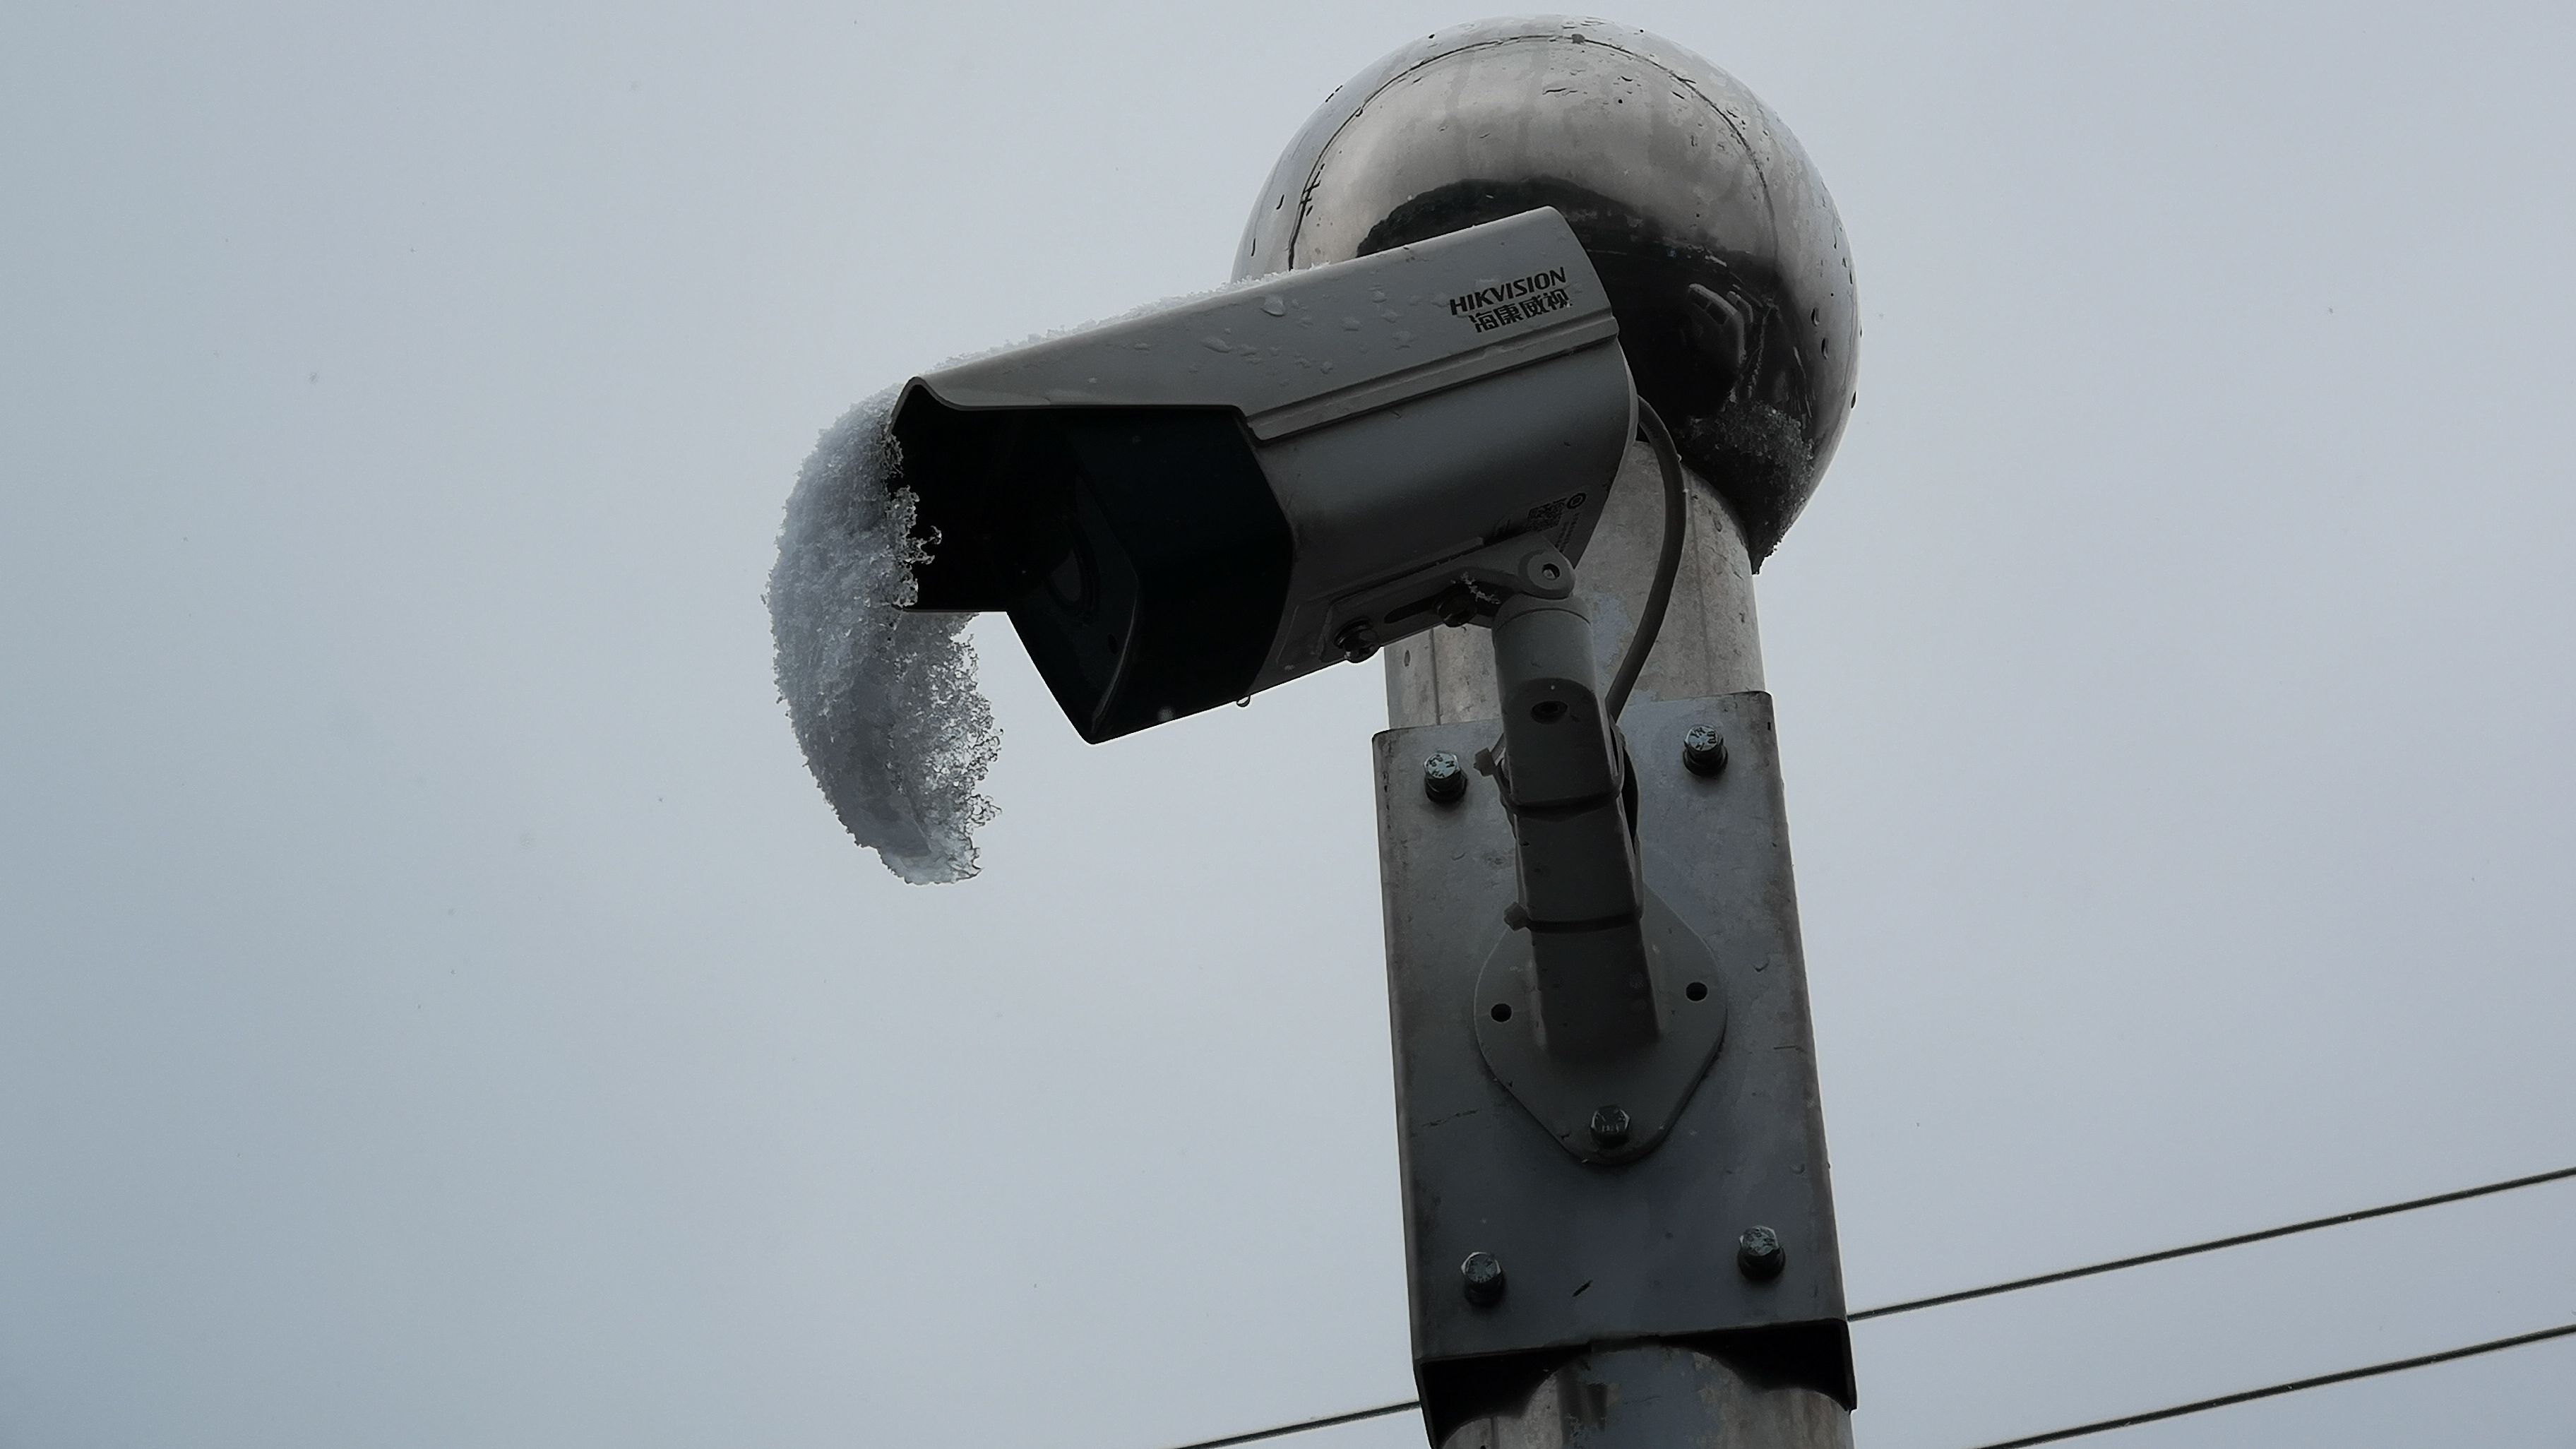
[(438, 1009)]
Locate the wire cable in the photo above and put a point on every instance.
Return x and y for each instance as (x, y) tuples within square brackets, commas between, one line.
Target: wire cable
[(1353, 1417), (2268, 1391), (2140, 1260), (1668, 559), (2027, 1441), (2213, 1245)]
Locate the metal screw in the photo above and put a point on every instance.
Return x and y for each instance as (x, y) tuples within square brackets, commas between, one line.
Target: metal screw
[(1357, 641), (1443, 778), (1482, 1278), (1610, 1126), (1703, 751), (1759, 1254), (1456, 606)]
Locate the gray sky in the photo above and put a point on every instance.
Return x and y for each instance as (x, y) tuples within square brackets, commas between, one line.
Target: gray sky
[(437, 1009)]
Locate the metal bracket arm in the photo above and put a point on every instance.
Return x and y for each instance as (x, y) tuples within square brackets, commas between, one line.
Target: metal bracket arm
[(1562, 778), (1581, 1012)]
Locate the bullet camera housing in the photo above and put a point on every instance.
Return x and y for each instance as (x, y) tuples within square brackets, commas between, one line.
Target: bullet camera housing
[(1217, 495)]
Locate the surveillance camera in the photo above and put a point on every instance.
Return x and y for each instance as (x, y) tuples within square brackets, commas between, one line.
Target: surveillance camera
[(1219, 494)]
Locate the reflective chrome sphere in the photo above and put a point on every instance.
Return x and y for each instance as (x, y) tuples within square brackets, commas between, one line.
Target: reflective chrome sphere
[(1711, 230)]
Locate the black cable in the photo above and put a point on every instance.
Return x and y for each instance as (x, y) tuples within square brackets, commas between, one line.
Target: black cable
[(1668, 560), (2165, 1255), (2213, 1245), (1380, 1412), (2275, 1390), (2103, 1426)]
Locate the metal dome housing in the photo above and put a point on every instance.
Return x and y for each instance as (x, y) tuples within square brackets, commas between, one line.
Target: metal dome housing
[(1714, 237)]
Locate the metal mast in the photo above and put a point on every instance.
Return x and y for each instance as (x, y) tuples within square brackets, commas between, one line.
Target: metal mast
[(1619, 1226)]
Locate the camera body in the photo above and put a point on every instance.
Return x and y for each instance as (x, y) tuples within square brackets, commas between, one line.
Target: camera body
[(1218, 494)]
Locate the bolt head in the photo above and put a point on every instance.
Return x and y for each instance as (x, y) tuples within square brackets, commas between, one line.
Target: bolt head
[(1456, 606), (1481, 1278), (1610, 1126), (1759, 1255), (1703, 751), (1357, 641), (1443, 778)]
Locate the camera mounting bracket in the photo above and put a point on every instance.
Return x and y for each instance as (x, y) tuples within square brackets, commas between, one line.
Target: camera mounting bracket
[(1468, 591), (1585, 1010), (1596, 1248)]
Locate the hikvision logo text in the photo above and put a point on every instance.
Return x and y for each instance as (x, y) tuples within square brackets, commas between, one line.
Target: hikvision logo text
[(1484, 297)]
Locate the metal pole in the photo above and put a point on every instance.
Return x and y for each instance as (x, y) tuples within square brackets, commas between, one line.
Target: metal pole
[(1633, 1384)]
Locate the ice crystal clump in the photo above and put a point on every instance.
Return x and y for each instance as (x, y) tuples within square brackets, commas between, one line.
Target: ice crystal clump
[(884, 702)]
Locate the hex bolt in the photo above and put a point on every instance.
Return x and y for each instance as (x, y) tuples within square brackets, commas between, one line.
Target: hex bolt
[(1610, 1126), (1357, 641), (1443, 778), (1481, 1276), (1759, 1254), (1703, 751)]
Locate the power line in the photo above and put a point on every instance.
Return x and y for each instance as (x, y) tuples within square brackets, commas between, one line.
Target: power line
[(1353, 1417), (2275, 1390), (2064, 1274), (2125, 1421), (2240, 1240)]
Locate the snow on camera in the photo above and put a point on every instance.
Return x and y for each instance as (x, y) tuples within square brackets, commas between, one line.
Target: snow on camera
[(884, 702)]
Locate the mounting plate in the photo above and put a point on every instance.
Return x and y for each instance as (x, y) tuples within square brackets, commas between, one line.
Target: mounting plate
[(1646, 1088), (1594, 1251)]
